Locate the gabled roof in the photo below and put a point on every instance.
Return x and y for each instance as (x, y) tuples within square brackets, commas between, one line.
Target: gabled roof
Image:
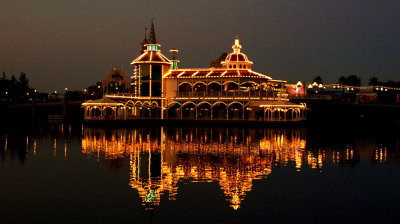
[(151, 57), (102, 102), (214, 73)]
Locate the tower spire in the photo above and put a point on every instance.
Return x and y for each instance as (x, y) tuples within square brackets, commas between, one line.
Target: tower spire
[(152, 35), (145, 41)]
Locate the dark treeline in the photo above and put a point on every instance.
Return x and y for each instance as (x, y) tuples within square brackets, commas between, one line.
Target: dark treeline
[(374, 81), (354, 80), (15, 90)]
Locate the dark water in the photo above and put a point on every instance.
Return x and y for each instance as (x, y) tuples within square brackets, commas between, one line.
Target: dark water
[(64, 174)]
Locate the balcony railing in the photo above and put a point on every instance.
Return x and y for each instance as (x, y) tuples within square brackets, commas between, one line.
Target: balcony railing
[(227, 94)]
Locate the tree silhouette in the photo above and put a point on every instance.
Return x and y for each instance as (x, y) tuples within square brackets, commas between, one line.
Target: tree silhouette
[(351, 80), (23, 81), (318, 80), (374, 81)]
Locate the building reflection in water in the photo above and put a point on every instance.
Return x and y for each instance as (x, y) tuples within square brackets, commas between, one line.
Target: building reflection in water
[(160, 158)]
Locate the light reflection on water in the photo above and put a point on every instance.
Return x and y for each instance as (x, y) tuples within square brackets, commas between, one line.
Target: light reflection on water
[(161, 159)]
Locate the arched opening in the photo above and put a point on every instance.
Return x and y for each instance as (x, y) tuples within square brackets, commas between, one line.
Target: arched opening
[(218, 111), (214, 89), (108, 113), (174, 110), (145, 111), (188, 110), (204, 110), (235, 111), (231, 88), (278, 114), (199, 89), (289, 114), (155, 110), (96, 112), (185, 89)]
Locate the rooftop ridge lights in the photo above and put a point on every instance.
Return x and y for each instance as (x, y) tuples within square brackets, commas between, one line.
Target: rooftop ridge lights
[(140, 57), (195, 73), (259, 74), (162, 56), (160, 62), (200, 69), (167, 74), (180, 74), (224, 73), (209, 73), (283, 105), (256, 73), (101, 104), (275, 80)]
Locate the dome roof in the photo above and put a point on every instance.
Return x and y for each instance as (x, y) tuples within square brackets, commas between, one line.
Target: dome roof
[(236, 57), (117, 76)]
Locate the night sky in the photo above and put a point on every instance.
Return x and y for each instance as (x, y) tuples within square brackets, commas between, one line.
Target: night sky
[(73, 43)]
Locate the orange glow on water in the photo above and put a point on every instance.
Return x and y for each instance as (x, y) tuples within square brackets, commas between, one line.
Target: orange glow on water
[(161, 159)]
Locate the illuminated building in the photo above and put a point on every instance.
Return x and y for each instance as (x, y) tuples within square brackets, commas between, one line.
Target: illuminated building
[(115, 82), (231, 91)]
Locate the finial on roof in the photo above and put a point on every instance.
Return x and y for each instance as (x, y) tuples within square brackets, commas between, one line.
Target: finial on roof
[(173, 52), (152, 35), (236, 48)]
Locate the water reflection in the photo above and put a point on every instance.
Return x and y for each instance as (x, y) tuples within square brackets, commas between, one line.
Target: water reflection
[(160, 158)]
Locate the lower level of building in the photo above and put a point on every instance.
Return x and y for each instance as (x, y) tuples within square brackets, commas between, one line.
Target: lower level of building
[(201, 109)]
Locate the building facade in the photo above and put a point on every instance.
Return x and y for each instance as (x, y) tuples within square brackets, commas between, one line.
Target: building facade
[(231, 91)]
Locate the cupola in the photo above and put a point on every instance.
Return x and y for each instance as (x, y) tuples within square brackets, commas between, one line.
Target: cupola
[(236, 59)]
